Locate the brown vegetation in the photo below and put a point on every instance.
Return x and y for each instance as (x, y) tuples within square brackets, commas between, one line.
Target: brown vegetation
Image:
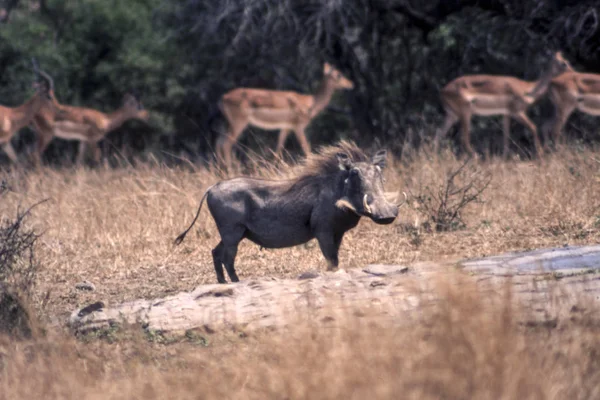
[(114, 228)]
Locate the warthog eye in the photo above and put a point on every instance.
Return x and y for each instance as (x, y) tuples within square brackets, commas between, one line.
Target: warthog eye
[(354, 172)]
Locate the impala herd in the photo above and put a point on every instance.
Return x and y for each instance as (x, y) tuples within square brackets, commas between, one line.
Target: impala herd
[(50, 119), (287, 111)]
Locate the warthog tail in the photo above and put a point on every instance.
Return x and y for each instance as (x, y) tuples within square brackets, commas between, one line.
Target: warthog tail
[(180, 238)]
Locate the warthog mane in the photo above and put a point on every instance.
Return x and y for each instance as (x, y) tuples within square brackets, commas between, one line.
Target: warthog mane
[(325, 161)]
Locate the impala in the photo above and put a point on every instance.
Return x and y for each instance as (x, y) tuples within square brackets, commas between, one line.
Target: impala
[(13, 119), (488, 95), (572, 91), (86, 125), (278, 110)]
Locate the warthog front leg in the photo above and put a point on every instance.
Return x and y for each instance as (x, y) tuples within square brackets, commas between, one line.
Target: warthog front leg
[(330, 246)]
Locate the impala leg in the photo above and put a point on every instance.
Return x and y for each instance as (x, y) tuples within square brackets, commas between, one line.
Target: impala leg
[(97, 152), (43, 139), (219, 148), (548, 126), (226, 150), (81, 152), (564, 105), (524, 119), (451, 119), (506, 135), (546, 132), (10, 151), (562, 115), (465, 121), (227, 142), (41, 146), (301, 136), (283, 135)]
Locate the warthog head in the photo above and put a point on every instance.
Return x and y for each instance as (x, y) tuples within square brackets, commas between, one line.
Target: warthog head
[(363, 189)]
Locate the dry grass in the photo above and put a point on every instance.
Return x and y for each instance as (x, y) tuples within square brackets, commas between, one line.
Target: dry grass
[(115, 228), (467, 347)]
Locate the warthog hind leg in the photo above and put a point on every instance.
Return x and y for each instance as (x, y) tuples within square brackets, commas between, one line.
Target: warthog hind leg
[(217, 260), (226, 250), (229, 253)]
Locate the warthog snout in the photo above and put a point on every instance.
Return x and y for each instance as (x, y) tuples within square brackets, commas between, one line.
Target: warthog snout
[(381, 212)]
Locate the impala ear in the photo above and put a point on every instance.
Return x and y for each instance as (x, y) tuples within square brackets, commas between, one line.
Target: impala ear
[(379, 158), (344, 161), (327, 69)]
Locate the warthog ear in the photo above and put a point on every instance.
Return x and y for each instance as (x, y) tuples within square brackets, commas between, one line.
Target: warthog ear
[(379, 158), (344, 160)]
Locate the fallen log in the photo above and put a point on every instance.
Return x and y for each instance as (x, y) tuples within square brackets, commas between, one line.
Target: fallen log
[(385, 290)]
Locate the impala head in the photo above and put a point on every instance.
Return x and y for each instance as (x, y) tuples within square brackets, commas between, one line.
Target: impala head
[(336, 78), (559, 64), (45, 86), (135, 107), (363, 188)]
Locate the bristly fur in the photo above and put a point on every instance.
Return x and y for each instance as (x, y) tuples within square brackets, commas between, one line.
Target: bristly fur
[(325, 162)]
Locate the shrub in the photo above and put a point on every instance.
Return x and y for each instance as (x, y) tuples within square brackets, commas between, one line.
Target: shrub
[(443, 203), (18, 270)]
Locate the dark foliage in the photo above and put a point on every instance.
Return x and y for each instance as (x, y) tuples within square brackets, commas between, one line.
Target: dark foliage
[(182, 56)]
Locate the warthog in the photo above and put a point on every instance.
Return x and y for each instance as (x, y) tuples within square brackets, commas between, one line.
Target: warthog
[(337, 187)]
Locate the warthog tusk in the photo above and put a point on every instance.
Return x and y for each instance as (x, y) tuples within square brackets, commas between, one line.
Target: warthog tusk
[(366, 205), (345, 204), (405, 200), (392, 197)]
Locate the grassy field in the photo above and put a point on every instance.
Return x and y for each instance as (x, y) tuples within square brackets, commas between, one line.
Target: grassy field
[(115, 227)]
